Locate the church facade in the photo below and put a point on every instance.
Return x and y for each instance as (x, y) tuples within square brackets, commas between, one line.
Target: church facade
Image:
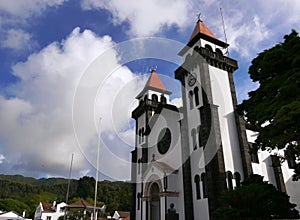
[(185, 158)]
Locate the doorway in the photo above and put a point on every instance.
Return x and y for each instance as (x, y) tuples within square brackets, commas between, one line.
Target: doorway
[(154, 202)]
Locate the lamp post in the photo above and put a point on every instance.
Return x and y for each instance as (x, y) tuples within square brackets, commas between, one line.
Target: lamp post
[(97, 168)]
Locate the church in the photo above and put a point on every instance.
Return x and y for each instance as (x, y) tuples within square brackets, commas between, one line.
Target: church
[(185, 158)]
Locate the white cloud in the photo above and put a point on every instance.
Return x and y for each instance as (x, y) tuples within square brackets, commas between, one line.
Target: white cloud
[(251, 26), (16, 39), (2, 158), (14, 17), (146, 18), (36, 121), (27, 8), (177, 102)]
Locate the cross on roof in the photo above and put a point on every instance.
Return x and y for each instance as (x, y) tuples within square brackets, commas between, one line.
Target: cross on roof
[(199, 17), (153, 68)]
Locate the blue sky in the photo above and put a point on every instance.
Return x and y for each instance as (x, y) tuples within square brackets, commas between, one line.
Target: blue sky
[(62, 68)]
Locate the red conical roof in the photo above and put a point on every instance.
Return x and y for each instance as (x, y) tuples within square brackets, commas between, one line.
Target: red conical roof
[(155, 82), (203, 29)]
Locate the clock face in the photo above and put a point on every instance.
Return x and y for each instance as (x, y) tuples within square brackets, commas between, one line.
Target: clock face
[(164, 140), (192, 79)]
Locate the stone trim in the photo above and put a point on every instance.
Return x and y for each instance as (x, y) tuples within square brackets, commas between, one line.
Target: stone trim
[(169, 194), (217, 60)]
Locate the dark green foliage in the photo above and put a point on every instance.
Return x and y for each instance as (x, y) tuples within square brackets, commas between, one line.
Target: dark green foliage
[(86, 187), (15, 205), (274, 108), (256, 199), (116, 195)]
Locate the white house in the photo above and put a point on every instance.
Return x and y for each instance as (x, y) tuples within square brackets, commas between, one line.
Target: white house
[(11, 215), (120, 215), (49, 211)]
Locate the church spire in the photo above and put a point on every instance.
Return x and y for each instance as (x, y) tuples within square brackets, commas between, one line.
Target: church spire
[(202, 29), (155, 82)]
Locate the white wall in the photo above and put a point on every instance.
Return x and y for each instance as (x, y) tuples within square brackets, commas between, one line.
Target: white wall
[(222, 98), (264, 169)]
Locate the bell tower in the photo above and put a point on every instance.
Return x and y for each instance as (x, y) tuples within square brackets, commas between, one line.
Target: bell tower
[(214, 146), (150, 98)]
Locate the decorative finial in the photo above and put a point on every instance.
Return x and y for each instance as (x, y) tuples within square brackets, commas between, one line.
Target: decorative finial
[(199, 17), (153, 157), (153, 68)]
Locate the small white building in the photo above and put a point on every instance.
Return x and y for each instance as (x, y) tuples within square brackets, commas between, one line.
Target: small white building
[(121, 215), (11, 215), (49, 211)]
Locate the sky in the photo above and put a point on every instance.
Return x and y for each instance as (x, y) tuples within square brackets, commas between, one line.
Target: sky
[(67, 63)]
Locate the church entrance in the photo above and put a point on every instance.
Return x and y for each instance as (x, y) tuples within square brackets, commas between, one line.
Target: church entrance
[(154, 202)]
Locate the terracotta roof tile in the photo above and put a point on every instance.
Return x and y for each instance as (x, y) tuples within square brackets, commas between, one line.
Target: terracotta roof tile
[(123, 214), (48, 207), (203, 29), (81, 204), (155, 82)]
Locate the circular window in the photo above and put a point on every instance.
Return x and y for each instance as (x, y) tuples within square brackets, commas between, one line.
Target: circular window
[(164, 140)]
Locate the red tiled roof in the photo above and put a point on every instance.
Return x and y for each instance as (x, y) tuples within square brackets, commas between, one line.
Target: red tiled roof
[(203, 29), (80, 204), (155, 82), (47, 207), (124, 214)]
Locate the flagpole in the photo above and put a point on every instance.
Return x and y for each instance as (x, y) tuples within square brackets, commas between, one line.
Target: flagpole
[(97, 168), (68, 189)]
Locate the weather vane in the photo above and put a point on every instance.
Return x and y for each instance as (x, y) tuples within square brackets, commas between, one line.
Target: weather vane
[(153, 68)]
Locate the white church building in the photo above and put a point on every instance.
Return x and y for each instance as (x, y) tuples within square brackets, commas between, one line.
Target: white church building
[(185, 158)]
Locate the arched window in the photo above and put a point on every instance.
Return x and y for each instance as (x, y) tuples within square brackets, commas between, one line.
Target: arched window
[(193, 133), (191, 100), (197, 183), (204, 189), (140, 136), (196, 93), (208, 47), (138, 200), (237, 178), (139, 166), (229, 180), (154, 98), (143, 135), (163, 99), (219, 51), (199, 136)]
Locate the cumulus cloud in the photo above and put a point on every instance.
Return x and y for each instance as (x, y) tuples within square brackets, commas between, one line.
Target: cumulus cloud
[(27, 8), (36, 119), (16, 39), (177, 102), (2, 158), (146, 18), (251, 26)]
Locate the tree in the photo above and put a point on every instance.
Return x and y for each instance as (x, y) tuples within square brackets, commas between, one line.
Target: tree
[(13, 205), (86, 187), (273, 110), (256, 199)]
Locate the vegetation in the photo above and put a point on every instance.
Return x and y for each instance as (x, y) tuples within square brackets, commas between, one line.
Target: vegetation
[(23, 193), (273, 109), (256, 199)]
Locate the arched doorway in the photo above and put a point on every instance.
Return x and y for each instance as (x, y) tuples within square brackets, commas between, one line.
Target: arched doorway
[(154, 202)]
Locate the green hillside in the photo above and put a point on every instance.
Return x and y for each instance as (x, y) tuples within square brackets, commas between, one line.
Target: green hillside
[(18, 193)]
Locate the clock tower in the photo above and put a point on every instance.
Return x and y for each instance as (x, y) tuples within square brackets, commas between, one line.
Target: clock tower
[(214, 145)]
